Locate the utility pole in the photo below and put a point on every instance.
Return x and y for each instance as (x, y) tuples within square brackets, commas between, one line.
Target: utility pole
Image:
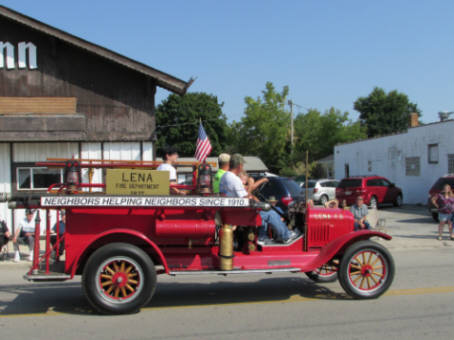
[(290, 103)]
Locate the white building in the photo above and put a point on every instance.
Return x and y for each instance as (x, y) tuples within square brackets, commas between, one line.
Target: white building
[(413, 160)]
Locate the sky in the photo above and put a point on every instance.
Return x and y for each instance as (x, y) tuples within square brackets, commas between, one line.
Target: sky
[(328, 52)]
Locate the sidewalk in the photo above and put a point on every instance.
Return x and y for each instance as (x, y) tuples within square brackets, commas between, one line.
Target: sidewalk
[(412, 228), (24, 255)]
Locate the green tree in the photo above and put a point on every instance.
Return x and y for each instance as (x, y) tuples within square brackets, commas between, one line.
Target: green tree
[(384, 113), (319, 133), (177, 119), (264, 129)]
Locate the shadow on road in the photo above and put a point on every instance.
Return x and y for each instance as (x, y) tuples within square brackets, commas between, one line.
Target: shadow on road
[(222, 292), (68, 298)]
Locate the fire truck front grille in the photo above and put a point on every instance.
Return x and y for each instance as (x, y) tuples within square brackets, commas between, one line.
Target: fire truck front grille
[(320, 233)]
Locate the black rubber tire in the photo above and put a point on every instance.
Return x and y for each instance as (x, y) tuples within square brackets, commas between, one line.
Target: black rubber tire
[(324, 199), (398, 201), (373, 202), (344, 278), (316, 277), (128, 253), (435, 217)]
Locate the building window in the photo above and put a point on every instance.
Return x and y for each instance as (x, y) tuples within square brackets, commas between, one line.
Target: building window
[(412, 167), (432, 151), (36, 178), (451, 163)]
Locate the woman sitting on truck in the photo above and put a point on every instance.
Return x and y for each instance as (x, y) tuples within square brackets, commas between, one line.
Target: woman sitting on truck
[(170, 157)]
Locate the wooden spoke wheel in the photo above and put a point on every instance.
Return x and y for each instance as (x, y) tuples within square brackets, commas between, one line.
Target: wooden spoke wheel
[(366, 270), (119, 278), (326, 273)]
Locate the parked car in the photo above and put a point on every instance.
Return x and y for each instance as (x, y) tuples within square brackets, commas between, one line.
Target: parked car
[(375, 190), (320, 190), (284, 189), (436, 189)]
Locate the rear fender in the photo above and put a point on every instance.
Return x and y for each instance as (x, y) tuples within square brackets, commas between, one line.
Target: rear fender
[(340, 244), (115, 232)]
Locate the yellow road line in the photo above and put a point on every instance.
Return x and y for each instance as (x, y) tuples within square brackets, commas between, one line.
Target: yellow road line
[(293, 298), (420, 291)]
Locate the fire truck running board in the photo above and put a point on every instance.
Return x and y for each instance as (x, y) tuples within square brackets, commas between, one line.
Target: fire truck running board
[(42, 276), (236, 271)]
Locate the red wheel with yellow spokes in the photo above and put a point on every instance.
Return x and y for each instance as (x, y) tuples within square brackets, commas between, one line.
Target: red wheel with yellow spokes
[(119, 278), (366, 270)]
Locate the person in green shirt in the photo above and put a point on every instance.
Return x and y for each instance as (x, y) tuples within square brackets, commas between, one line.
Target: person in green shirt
[(223, 166)]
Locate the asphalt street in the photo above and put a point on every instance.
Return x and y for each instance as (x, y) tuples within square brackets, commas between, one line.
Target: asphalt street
[(419, 304)]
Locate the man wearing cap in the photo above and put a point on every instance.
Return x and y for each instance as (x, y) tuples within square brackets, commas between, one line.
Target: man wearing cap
[(223, 167), (232, 186), (26, 232)]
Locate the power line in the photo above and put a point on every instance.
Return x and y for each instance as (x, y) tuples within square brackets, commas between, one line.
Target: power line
[(186, 123)]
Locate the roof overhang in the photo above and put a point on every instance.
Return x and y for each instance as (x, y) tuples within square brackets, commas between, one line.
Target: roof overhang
[(162, 79)]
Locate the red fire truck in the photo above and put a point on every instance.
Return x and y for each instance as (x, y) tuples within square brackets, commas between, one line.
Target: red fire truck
[(120, 243)]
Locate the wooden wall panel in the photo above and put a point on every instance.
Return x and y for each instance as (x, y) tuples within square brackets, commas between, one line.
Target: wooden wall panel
[(38, 105)]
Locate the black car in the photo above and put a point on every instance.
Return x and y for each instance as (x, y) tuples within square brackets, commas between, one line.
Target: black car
[(284, 189)]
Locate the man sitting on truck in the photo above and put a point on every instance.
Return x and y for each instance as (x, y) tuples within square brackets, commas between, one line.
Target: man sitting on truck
[(170, 157), (232, 186), (223, 165)]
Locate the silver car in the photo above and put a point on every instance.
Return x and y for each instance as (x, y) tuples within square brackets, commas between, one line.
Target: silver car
[(320, 190)]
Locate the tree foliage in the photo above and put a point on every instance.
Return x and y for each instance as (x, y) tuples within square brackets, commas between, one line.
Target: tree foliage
[(319, 133), (177, 119), (264, 129), (384, 113)]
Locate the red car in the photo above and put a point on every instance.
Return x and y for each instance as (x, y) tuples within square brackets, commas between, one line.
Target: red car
[(436, 188), (374, 189)]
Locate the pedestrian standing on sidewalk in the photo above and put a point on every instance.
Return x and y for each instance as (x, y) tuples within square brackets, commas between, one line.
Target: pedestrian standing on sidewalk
[(444, 202)]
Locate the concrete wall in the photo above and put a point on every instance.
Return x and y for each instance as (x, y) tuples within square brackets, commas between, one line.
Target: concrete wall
[(386, 156)]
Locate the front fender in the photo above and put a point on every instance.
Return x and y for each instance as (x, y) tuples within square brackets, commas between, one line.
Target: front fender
[(120, 231), (341, 243)]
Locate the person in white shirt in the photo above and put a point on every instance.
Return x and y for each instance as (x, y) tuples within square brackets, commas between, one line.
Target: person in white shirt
[(25, 231), (232, 186), (170, 157)]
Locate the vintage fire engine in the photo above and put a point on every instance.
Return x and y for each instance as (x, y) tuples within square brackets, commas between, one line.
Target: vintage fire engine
[(119, 243)]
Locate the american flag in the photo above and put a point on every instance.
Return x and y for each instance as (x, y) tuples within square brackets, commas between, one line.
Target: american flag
[(203, 146)]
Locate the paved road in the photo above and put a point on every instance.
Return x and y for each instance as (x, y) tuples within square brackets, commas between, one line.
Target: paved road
[(420, 304)]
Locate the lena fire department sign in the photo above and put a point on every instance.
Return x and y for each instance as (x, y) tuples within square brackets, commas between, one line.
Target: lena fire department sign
[(137, 182)]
